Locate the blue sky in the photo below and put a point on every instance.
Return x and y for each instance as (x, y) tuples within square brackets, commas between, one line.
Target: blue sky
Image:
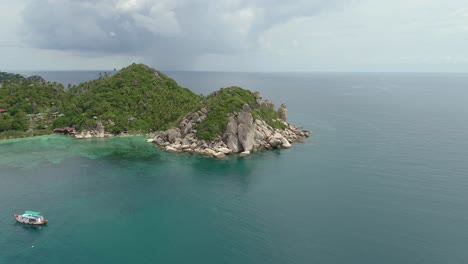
[(236, 35)]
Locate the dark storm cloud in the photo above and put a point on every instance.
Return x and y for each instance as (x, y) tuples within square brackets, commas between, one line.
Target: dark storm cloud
[(176, 30)]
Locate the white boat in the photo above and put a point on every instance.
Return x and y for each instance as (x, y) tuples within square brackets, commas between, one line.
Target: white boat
[(31, 218)]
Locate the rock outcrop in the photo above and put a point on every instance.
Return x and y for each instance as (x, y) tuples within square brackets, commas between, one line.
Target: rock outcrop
[(283, 112), (99, 129), (245, 128), (243, 135), (266, 103), (231, 135), (98, 132)]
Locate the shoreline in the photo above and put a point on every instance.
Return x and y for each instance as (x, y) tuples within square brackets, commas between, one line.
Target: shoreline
[(208, 151), (7, 140), (4, 140)]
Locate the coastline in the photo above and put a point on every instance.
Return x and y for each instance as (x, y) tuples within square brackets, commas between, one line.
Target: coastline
[(8, 140), (24, 135), (208, 151)]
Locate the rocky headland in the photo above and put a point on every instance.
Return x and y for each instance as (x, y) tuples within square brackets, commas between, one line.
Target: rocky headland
[(242, 135)]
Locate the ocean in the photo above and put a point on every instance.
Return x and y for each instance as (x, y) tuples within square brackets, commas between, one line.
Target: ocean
[(382, 179)]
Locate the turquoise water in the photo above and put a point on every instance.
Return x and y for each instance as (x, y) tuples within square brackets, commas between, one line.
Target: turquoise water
[(383, 179)]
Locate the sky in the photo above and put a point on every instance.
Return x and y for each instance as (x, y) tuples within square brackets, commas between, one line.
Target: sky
[(236, 35)]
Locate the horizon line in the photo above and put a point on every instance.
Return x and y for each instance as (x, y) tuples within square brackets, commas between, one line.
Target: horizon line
[(239, 71)]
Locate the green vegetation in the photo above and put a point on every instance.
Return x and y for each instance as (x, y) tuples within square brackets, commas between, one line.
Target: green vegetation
[(136, 99), (30, 104), (220, 104), (226, 101)]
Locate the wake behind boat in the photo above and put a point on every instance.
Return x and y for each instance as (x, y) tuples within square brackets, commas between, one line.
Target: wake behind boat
[(31, 218)]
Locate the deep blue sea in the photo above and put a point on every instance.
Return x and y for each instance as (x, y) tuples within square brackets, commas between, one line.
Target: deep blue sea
[(383, 179)]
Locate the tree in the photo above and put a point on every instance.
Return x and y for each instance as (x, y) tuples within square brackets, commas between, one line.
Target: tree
[(4, 124), (19, 122)]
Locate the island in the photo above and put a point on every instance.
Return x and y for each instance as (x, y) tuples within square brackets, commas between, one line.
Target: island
[(141, 100)]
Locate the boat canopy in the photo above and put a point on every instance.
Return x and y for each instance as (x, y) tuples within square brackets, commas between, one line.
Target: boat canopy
[(32, 213)]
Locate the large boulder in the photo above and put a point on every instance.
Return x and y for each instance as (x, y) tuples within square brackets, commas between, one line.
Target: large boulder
[(259, 135), (219, 155), (244, 153), (283, 112), (274, 142), (285, 143), (231, 125), (186, 128), (209, 152), (173, 134), (194, 116), (231, 138), (185, 143), (232, 143), (268, 104), (171, 149), (99, 129), (80, 135), (245, 128), (224, 150), (258, 98), (88, 134)]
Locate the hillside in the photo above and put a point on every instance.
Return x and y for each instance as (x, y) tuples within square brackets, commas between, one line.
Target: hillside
[(229, 100), (28, 104), (137, 98)]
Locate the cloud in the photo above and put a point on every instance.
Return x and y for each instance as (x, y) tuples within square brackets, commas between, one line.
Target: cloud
[(246, 35), (387, 35), (175, 31)]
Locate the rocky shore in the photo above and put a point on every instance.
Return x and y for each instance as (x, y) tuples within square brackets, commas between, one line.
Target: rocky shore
[(243, 135)]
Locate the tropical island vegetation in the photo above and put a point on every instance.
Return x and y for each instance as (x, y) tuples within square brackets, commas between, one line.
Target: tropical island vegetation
[(137, 99), (27, 105)]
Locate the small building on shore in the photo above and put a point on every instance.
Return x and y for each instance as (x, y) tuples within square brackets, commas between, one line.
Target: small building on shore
[(2, 111)]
